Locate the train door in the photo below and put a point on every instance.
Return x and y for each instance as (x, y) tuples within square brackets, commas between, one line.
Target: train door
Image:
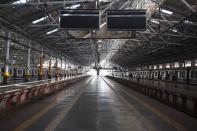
[(187, 76), (167, 76), (15, 72), (32, 73), (159, 75), (176, 75), (11, 71), (152, 76), (24, 73)]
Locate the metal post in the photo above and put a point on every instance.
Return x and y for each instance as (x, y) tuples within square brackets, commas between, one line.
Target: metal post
[(6, 63), (56, 71), (49, 71), (68, 70), (28, 64), (63, 74), (41, 65), (61, 70)]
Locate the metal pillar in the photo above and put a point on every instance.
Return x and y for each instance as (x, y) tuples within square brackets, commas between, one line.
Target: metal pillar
[(41, 65), (27, 75), (68, 70), (56, 71), (6, 63), (49, 70), (61, 70), (63, 74)]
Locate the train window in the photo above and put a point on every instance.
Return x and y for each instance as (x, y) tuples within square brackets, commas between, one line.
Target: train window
[(187, 63)]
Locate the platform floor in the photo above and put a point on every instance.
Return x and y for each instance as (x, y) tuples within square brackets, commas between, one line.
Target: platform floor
[(97, 104)]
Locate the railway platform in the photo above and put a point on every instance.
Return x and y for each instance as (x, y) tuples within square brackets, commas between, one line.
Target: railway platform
[(97, 104), (180, 96)]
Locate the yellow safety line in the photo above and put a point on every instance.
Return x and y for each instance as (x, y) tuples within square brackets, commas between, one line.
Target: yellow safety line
[(160, 114), (34, 118)]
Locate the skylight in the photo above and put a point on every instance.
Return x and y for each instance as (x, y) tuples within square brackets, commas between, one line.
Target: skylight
[(52, 31), (39, 20), (20, 1)]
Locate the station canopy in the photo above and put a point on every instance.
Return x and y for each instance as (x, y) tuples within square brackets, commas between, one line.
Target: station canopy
[(128, 33)]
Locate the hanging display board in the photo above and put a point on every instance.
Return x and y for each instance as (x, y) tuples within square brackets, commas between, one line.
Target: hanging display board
[(134, 20)]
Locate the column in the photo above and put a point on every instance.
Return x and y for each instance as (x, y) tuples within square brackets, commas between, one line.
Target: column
[(61, 70), (41, 66), (68, 70), (27, 76), (56, 71), (6, 62), (63, 74), (49, 68)]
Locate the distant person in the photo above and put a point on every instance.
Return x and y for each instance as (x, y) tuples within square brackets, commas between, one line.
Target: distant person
[(56, 77), (138, 78)]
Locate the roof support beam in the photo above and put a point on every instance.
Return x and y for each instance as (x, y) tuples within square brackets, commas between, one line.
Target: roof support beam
[(188, 5)]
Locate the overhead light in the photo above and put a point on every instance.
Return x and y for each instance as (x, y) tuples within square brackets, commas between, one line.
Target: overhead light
[(99, 41), (52, 31), (174, 30), (73, 6), (154, 21), (188, 22), (87, 35), (101, 26), (39, 20), (165, 11), (20, 1)]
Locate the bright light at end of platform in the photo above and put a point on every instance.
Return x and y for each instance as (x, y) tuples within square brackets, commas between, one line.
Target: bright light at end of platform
[(92, 72)]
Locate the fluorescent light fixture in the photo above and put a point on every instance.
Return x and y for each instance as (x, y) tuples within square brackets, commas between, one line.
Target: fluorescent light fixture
[(52, 31), (154, 21), (87, 35), (20, 1), (73, 6), (101, 26), (165, 11), (66, 14), (174, 30), (39, 20), (188, 22)]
